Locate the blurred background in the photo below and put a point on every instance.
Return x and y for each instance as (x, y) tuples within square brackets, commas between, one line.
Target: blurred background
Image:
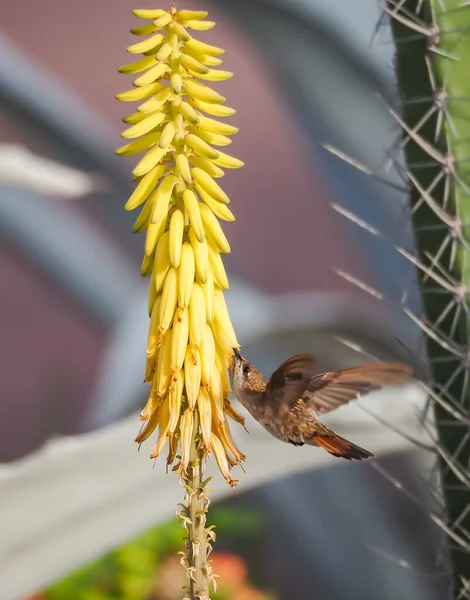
[(84, 517)]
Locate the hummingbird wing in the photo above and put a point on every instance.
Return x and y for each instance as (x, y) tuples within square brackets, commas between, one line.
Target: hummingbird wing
[(327, 391), (290, 380)]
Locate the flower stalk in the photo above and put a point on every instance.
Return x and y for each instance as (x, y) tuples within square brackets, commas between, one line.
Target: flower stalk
[(191, 337), (198, 547)]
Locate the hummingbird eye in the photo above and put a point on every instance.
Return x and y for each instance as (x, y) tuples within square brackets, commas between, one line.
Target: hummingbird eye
[(246, 369)]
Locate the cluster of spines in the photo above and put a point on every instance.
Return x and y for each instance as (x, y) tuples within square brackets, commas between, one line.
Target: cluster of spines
[(191, 337)]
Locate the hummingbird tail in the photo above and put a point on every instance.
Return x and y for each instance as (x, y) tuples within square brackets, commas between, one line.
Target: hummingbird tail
[(342, 448)]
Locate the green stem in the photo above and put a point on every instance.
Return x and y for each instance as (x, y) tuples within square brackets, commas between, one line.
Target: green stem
[(197, 503)]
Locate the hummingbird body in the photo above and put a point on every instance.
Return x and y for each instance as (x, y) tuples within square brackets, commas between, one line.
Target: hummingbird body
[(288, 405)]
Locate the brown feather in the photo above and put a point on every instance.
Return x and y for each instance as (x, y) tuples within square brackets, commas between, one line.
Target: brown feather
[(328, 391), (340, 447), (255, 381), (325, 392), (290, 379)]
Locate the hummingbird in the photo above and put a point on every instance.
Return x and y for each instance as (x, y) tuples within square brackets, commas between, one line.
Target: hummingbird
[(289, 404)]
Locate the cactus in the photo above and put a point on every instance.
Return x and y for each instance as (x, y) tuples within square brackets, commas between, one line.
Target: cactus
[(432, 50)]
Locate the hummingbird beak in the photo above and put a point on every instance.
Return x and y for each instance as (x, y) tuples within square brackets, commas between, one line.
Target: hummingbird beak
[(238, 356)]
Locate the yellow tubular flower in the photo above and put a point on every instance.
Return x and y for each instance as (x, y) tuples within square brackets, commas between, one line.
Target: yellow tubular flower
[(178, 132)]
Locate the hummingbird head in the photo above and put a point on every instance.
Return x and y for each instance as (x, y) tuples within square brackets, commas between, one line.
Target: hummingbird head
[(246, 377)]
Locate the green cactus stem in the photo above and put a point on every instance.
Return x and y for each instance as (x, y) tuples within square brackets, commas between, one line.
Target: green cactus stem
[(432, 39)]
